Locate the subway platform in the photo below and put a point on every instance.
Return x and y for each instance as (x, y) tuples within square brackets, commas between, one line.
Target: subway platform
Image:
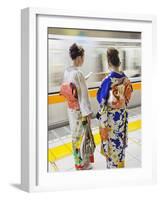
[(60, 157)]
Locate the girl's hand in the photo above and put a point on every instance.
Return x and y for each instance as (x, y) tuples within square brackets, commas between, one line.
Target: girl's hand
[(87, 119), (88, 75)]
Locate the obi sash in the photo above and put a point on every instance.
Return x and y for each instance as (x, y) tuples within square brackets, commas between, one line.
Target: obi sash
[(120, 93), (69, 91)]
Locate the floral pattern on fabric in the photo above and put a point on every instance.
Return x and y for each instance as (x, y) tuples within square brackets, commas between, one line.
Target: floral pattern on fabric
[(82, 139), (113, 118)]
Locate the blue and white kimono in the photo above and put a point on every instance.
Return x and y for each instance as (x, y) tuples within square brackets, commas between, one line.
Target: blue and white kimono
[(113, 96)]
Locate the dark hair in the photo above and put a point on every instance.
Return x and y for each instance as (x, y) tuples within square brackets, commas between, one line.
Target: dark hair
[(76, 51), (113, 57)]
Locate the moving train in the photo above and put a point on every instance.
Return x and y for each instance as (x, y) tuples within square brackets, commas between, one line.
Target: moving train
[(95, 44)]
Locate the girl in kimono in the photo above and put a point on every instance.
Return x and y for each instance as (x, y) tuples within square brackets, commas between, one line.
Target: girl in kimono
[(113, 96), (80, 109)]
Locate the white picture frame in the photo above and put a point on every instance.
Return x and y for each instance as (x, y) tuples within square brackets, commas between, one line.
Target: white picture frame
[(34, 175)]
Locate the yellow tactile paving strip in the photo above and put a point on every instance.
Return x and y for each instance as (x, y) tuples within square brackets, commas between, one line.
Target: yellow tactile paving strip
[(64, 150), (56, 98)]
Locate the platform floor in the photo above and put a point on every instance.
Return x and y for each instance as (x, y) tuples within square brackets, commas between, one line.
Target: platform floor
[(62, 137)]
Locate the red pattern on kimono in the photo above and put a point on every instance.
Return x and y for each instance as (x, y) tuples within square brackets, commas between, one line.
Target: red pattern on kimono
[(69, 91)]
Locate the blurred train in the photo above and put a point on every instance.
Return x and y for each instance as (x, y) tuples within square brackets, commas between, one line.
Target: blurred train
[(95, 44)]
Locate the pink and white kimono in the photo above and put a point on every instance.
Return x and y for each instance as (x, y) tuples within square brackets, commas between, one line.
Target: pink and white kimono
[(82, 109)]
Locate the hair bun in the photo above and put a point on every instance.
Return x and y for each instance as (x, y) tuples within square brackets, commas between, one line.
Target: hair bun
[(113, 56), (75, 51), (112, 52), (74, 47)]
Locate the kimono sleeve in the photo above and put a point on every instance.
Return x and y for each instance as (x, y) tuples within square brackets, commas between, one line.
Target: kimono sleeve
[(83, 97), (103, 92)]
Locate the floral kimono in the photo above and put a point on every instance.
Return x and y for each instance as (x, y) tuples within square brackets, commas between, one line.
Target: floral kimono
[(113, 97), (77, 113)]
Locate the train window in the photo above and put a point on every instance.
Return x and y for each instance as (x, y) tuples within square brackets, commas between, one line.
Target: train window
[(95, 44)]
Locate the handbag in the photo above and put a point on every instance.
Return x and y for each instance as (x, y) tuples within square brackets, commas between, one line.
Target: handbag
[(88, 146)]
